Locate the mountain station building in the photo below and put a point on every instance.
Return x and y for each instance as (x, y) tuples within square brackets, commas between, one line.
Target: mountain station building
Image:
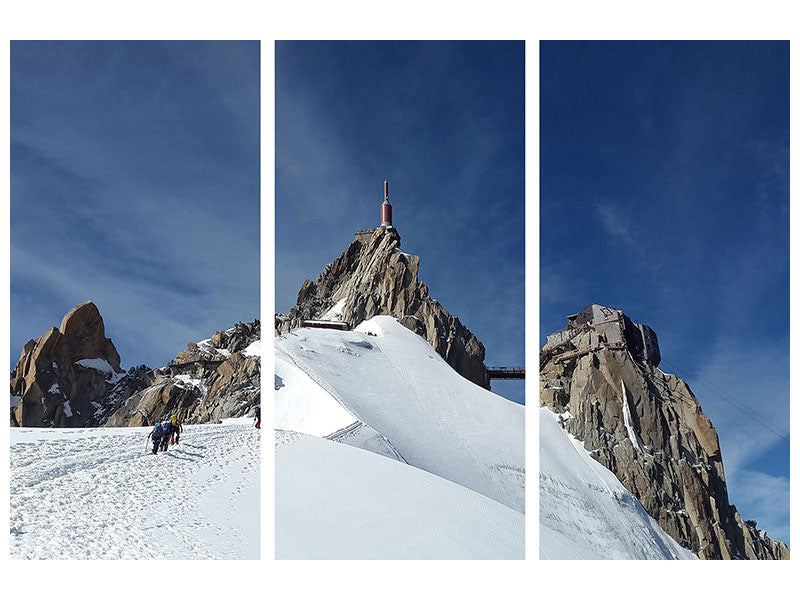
[(614, 328)]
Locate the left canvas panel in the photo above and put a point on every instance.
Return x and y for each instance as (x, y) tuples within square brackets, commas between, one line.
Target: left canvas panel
[(135, 331)]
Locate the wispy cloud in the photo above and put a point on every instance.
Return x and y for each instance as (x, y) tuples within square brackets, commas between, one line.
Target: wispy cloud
[(134, 183), (666, 190), (619, 226)]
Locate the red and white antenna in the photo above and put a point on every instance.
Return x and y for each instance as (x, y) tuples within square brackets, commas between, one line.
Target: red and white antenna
[(386, 208)]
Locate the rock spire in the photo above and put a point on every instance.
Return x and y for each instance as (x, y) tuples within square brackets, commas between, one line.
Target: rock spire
[(64, 371), (373, 276)]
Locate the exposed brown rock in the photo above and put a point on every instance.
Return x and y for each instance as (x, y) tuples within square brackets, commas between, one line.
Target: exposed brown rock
[(155, 403), (208, 381), (55, 390), (377, 278), (672, 461)]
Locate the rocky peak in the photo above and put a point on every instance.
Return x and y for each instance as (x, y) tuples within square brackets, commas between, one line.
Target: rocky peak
[(648, 428), (221, 345), (61, 375), (212, 379), (71, 377), (83, 318), (373, 276)]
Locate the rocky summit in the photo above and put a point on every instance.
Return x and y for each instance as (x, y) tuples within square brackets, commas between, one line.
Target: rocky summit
[(63, 375), (211, 380), (373, 276), (71, 377), (601, 375)]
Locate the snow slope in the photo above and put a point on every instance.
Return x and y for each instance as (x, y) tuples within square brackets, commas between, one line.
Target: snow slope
[(97, 493), (336, 501), (436, 420), (585, 512), (301, 404), (382, 390)]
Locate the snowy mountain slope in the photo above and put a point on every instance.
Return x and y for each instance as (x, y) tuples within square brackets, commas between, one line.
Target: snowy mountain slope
[(305, 406), (336, 501), (390, 379), (585, 512), (301, 404), (98, 493)]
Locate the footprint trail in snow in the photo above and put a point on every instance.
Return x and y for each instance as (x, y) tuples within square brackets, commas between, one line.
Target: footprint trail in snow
[(98, 494)]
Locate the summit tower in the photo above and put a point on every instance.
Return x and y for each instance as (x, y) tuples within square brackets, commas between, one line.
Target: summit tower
[(386, 208)]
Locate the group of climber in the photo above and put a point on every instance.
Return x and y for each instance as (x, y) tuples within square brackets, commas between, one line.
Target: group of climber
[(168, 432), (165, 433)]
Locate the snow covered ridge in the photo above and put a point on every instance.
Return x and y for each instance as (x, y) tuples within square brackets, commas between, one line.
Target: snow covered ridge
[(254, 349), (413, 437), (206, 346), (91, 494), (585, 512)]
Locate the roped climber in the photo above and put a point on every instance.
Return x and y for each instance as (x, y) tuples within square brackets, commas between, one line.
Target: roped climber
[(177, 427), (156, 434)]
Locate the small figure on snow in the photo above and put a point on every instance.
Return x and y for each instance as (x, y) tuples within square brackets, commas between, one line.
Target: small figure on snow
[(166, 426), (177, 427), (156, 435), (258, 417)]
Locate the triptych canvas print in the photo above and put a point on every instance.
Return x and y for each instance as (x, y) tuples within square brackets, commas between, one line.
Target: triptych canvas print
[(398, 400)]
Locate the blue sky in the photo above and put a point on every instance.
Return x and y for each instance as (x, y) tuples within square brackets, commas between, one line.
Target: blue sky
[(665, 193), (444, 122), (135, 184)]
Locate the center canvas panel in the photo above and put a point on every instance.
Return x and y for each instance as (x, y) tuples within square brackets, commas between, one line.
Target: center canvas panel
[(399, 337)]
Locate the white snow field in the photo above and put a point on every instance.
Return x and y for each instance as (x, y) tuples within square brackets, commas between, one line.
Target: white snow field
[(585, 512), (428, 464), (340, 502), (100, 494)]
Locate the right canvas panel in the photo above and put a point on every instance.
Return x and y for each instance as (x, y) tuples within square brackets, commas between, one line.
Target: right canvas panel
[(664, 300)]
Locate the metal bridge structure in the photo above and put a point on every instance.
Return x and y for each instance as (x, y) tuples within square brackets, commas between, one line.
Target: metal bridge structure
[(506, 372)]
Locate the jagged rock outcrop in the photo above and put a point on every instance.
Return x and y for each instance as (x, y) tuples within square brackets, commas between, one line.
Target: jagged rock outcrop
[(134, 381), (374, 277), (213, 379), (71, 377), (648, 428), (63, 377)]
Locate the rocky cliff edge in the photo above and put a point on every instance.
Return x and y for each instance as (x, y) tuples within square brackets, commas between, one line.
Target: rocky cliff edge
[(71, 377), (375, 277), (648, 428)]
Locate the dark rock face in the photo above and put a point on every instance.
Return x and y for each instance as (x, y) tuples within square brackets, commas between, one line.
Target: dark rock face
[(376, 278), (62, 378), (647, 427), (210, 380), (134, 381), (71, 377)]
